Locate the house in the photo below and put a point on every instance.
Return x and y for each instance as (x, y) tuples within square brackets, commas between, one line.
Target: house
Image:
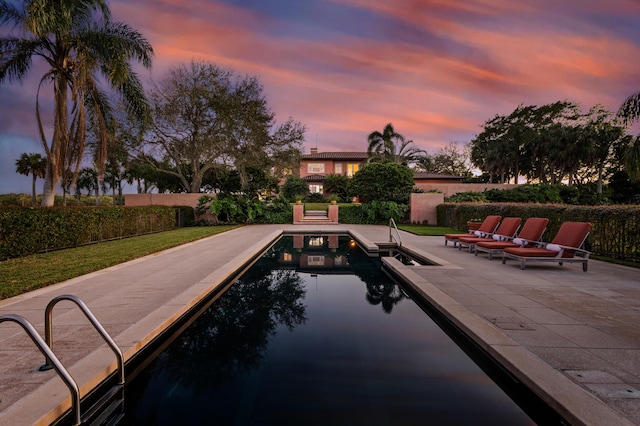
[(314, 168)]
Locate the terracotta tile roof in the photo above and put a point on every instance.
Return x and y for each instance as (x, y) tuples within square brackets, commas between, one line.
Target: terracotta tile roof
[(314, 178), (336, 156)]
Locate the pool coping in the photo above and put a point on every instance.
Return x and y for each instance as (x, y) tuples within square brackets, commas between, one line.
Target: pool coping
[(574, 403), (569, 399)]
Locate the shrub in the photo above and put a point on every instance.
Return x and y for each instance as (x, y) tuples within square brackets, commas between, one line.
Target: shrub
[(382, 182), (32, 230)]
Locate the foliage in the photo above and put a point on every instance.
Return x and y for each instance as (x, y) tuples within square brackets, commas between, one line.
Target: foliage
[(390, 146), (82, 47), (543, 193), (352, 214), (381, 211), (33, 230), (276, 210), (24, 274), (206, 117), (550, 144), (449, 160), (382, 182), (467, 197), (295, 187), (234, 208), (623, 189), (615, 233), (337, 186), (525, 194), (34, 165)]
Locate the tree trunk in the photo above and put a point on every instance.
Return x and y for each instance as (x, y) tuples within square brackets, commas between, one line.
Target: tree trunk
[(600, 172), (48, 193)]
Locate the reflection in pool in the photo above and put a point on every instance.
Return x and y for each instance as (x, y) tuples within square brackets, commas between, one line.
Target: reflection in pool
[(316, 334)]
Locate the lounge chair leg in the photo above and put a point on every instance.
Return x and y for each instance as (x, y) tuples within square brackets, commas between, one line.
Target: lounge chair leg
[(584, 266), (522, 264), (504, 260)]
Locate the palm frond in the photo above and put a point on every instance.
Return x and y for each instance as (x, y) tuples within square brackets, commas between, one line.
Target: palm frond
[(630, 109), (10, 14)]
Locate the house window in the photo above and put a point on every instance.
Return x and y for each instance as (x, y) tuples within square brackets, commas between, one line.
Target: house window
[(315, 260), (315, 168), (316, 189), (316, 241), (352, 169), (338, 168)]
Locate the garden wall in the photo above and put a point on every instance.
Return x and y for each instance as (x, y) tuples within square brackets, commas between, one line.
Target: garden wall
[(424, 208), (190, 199)]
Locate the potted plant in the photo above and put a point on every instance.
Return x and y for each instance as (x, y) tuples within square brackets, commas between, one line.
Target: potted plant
[(474, 224)]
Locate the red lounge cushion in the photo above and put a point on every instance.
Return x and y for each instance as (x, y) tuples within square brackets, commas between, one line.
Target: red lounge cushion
[(531, 252), (493, 245)]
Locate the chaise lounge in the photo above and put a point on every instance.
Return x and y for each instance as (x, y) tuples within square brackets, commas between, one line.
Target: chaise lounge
[(530, 234), (488, 226), (565, 247), (505, 232)]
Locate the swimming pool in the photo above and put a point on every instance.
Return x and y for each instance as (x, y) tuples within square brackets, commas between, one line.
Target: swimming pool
[(316, 333)]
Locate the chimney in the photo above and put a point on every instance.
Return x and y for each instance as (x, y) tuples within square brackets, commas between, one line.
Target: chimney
[(314, 150)]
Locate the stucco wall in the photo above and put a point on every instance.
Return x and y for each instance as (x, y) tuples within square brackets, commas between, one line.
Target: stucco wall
[(162, 199), (423, 208), (449, 189)]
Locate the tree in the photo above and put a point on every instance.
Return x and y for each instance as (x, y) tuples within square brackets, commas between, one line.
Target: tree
[(337, 185), (207, 117), (87, 179), (451, 160), (80, 45), (630, 109), (382, 182), (34, 165), (392, 147)]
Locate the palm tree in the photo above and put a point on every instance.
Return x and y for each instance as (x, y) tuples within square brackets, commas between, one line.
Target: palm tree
[(78, 48), (392, 146), (34, 165)]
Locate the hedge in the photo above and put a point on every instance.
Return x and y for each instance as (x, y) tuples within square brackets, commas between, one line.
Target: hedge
[(26, 231), (615, 233)]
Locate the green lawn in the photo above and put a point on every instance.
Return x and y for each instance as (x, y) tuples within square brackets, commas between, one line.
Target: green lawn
[(40, 270), (426, 230)]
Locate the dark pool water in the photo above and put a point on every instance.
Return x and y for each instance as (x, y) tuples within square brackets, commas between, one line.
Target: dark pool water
[(316, 335)]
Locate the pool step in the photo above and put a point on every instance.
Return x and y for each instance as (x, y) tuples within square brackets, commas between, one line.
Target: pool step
[(315, 217), (106, 411)]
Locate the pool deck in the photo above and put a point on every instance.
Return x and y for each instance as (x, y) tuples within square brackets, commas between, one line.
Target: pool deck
[(572, 336)]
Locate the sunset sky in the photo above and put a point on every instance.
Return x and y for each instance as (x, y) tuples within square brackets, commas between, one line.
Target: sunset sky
[(436, 69)]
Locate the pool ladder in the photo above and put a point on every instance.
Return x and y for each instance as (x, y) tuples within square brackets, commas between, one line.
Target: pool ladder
[(391, 238), (108, 409)]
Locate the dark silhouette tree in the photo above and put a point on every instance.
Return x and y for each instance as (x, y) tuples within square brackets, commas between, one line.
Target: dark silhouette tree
[(34, 165)]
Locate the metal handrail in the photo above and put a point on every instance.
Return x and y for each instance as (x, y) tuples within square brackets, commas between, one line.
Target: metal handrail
[(399, 240), (51, 357), (49, 332)]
